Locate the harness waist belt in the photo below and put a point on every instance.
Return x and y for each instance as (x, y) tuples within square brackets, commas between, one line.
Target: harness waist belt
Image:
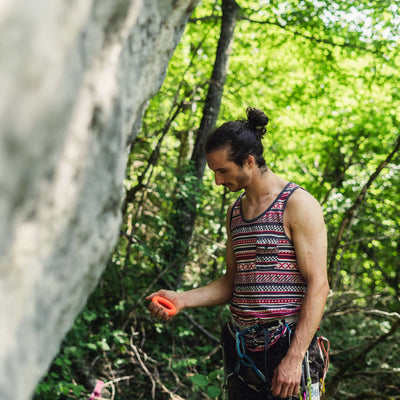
[(269, 324), (254, 335)]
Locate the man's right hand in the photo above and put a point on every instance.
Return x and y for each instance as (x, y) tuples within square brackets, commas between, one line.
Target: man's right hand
[(157, 310)]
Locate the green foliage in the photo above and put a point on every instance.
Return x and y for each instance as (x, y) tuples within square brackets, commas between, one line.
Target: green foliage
[(365, 344), (327, 76), (209, 384)]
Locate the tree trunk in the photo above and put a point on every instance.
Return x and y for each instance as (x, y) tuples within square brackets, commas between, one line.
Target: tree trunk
[(214, 95), (185, 215)]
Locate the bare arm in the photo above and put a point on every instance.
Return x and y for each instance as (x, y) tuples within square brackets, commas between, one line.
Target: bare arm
[(307, 228), (217, 292)]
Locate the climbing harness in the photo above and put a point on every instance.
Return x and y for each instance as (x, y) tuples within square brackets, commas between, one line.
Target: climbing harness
[(270, 334)]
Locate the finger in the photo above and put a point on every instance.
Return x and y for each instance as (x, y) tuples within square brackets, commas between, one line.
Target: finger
[(150, 296), (296, 388), (288, 390), (276, 386), (158, 312), (154, 309), (163, 315), (283, 390), (293, 390)]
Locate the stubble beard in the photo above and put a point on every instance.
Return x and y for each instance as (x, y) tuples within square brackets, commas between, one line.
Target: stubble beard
[(239, 184)]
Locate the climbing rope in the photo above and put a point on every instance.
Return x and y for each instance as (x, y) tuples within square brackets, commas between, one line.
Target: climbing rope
[(324, 346)]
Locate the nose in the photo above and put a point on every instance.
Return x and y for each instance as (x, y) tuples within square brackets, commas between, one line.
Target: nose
[(218, 179)]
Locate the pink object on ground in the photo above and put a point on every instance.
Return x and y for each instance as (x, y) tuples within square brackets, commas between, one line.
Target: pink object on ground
[(97, 390)]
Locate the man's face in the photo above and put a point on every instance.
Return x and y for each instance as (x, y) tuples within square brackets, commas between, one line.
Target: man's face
[(226, 172)]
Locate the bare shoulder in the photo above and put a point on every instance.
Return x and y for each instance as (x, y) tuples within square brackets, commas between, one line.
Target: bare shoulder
[(301, 200), (303, 208)]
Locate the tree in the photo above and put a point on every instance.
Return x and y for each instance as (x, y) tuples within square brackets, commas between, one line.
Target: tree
[(183, 218)]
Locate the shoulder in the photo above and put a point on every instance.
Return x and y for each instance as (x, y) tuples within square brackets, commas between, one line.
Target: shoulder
[(302, 196), (303, 207)]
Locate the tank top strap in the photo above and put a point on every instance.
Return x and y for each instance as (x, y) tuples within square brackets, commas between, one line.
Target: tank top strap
[(281, 201), (236, 209)]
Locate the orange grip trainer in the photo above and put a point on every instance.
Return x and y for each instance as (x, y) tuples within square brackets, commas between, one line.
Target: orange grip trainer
[(168, 306)]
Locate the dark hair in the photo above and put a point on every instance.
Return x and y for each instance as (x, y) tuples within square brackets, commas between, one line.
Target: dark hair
[(242, 136)]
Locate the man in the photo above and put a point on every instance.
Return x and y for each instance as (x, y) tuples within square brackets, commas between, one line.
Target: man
[(275, 279)]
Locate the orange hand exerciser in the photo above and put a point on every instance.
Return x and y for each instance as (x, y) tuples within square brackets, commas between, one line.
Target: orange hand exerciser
[(168, 306)]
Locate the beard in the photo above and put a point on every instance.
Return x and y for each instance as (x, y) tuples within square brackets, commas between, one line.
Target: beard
[(239, 183)]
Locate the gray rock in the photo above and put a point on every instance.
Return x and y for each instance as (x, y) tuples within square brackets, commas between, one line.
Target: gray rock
[(75, 79)]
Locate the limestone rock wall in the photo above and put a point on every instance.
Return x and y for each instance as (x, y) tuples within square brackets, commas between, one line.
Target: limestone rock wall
[(75, 78)]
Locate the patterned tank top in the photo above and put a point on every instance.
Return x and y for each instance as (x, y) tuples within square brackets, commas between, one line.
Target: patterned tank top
[(267, 284)]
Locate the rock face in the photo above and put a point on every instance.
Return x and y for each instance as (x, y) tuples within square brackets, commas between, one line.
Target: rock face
[(75, 78)]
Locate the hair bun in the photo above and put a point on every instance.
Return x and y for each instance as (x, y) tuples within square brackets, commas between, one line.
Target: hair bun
[(257, 121)]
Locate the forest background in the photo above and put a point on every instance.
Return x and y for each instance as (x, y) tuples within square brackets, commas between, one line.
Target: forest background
[(327, 75)]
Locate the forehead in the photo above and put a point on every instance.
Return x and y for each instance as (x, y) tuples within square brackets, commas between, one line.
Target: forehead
[(218, 159)]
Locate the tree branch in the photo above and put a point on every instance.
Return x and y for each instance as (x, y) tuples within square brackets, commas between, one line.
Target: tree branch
[(350, 214), (361, 355), (292, 31), (200, 328)]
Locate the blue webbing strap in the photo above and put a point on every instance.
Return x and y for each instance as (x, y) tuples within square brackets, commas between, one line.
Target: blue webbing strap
[(243, 357), (266, 342)]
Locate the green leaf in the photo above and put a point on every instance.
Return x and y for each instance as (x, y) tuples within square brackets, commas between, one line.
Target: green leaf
[(78, 389), (103, 345), (91, 346), (199, 380), (213, 375), (213, 391)]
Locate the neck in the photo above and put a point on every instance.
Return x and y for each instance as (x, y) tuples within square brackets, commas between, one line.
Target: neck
[(264, 183)]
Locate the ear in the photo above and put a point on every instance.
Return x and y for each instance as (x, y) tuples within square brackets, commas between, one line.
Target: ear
[(250, 161)]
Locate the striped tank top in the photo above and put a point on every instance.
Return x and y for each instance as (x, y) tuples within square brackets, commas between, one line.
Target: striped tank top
[(267, 284)]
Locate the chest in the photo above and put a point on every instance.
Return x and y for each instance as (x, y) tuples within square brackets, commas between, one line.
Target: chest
[(251, 211), (267, 218)]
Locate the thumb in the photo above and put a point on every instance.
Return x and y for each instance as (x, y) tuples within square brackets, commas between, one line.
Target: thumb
[(150, 296), (161, 293)]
